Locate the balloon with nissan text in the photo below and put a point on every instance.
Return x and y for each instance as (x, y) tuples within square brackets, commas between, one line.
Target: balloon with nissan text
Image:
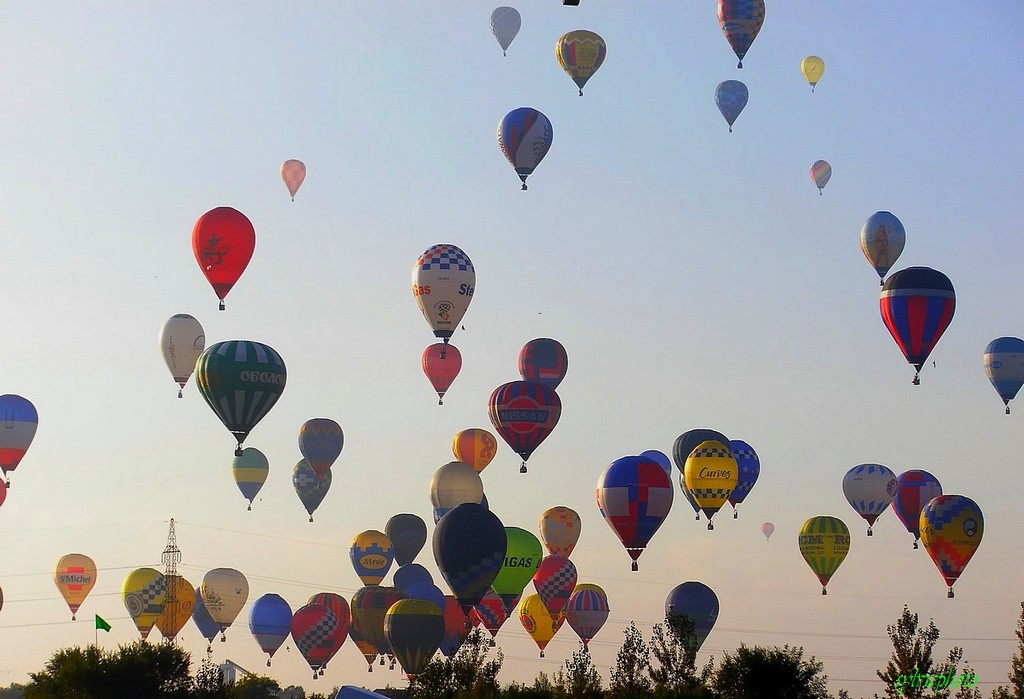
[(917, 305), (524, 413), (443, 282), (223, 241), (524, 137)]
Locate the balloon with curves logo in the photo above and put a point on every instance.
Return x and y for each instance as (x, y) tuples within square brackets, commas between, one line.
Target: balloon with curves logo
[(951, 530), (710, 475)]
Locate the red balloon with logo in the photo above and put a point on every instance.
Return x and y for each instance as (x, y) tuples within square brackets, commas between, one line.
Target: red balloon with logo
[(441, 363), (223, 241), (524, 413)]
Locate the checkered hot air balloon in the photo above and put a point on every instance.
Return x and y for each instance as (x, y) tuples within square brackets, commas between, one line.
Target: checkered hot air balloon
[(293, 172), (749, 470), (543, 360), (315, 630), (740, 21), (951, 531), (144, 591), (491, 613), (731, 97), (560, 529), (443, 282), (456, 626), (634, 496), (555, 581), (339, 607), (310, 489), (710, 475), (917, 305)]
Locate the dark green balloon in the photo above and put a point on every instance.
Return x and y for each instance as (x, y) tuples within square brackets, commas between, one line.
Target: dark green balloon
[(241, 381), (415, 630)]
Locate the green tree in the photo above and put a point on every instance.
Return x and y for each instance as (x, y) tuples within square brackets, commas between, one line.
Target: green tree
[(770, 673), (469, 674), (139, 669), (14, 691), (630, 674), (674, 646), (580, 679), (254, 687), (209, 681), (1016, 676), (911, 666)]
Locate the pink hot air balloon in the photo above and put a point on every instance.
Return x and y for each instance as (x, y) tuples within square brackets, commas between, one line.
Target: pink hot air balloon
[(293, 172), (441, 363), (767, 529)]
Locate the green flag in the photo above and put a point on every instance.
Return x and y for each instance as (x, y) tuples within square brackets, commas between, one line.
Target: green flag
[(101, 624)]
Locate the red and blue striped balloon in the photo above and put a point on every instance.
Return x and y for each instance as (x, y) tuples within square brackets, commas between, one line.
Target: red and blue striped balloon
[(917, 305)]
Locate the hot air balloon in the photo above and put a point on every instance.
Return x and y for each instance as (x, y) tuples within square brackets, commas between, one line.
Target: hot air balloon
[(426, 590), (951, 531), (690, 440), (415, 630), (441, 364), (587, 611), (366, 649), (870, 488), (731, 97), (740, 20), (443, 281), (524, 413), (661, 458), (310, 489), (543, 360), (917, 305), (75, 576), (469, 548), (914, 490), (315, 630), (241, 381), (1004, 367), (371, 553), (560, 529), (537, 621), (580, 53), (524, 137), (824, 543), (491, 613), (250, 472), (270, 621), (453, 484), (17, 430), (143, 592), (699, 603), (767, 529), (182, 340), (293, 172), (339, 607), (634, 496), (881, 240), (411, 574), (320, 442), (178, 607), (749, 469), (408, 534), (555, 581), (225, 591), (522, 559), (505, 24), (204, 622), (813, 68), (456, 626), (821, 173), (223, 241), (710, 474), (475, 447), (369, 605)]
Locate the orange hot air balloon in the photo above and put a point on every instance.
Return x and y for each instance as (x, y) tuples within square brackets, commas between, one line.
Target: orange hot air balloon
[(560, 530), (441, 363), (223, 241), (475, 447), (75, 576), (178, 606), (293, 172)]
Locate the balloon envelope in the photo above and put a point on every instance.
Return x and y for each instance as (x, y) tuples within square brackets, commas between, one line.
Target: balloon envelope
[(371, 553), (522, 559), (475, 447), (537, 621), (443, 281), (740, 21), (711, 474), (699, 603), (182, 340), (524, 413), (339, 607), (441, 365), (587, 611), (456, 626), (580, 53), (882, 239), (369, 605), (824, 543), (408, 534), (469, 548), (917, 305), (270, 621), (951, 530), (870, 488), (453, 484), (634, 496), (241, 381), (143, 592), (310, 489), (20, 420), (555, 581), (1004, 367), (560, 529), (75, 577), (767, 529), (178, 606), (225, 591), (316, 631), (321, 440), (524, 137), (914, 490), (505, 24), (749, 470), (293, 172), (543, 360), (201, 616), (813, 68), (223, 241), (661, 458), (821, 173), (415, 630), (731, 97), (250, 472), (410, 574)]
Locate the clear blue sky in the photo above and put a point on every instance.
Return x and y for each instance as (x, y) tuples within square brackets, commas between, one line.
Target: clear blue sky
[(695, 277)]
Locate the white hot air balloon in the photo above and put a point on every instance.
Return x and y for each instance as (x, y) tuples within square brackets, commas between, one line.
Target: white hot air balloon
[(224, 592), (443, 281), (505, 24), (182, 341), (870, 488)]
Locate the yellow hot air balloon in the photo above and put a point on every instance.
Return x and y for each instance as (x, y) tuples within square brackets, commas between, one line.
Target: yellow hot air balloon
[(475, 447), (224, 592), (824, 543), (536, 619), (813, 68), (710, 474), (560, 529), (580, 53), (74, 576), (178, 606), (144, 592), (951, 529), (293, 172), (372, 554)]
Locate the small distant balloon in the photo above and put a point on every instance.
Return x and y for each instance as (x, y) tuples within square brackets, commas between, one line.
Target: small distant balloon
[(731, 97), (310, 489), (543, 360), (293, 172), (1004, 367), (882, 239), (441, 364), (580, 53), (813, 68), (767, 529), (821, 172), (20, 421), (223, 241), (250, 472), (182, 340), (505, 24)]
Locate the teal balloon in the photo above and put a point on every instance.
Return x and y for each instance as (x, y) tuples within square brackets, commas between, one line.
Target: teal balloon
[(310, 489)]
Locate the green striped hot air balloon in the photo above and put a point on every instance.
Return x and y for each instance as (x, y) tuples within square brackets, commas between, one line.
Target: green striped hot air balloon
[(241, 381), (824, 543)]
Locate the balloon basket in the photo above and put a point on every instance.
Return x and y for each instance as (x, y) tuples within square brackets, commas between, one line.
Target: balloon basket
[(1007, 410), (949, 593), (222, 305), (382, 661), (917, 380), (238, 450), (696, 517), (524, 189), (369, 668), (711, 527), (522, 468), (268, 662), (222, 639), (735, 514), (311, 518), (870, 533), (915, 544), (315, 674), (634, 567), (179, 394), (493, 643), (824, 591), (542, 654), (249, 508)]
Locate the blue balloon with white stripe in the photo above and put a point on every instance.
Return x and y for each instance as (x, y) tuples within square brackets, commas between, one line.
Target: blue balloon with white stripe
[(1004, 367)]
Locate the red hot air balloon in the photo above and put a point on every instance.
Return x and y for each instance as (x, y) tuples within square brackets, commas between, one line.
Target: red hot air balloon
[(441, 366), (917, 305), (316, 632), (555, 581), (223, 241), (524, 413)]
